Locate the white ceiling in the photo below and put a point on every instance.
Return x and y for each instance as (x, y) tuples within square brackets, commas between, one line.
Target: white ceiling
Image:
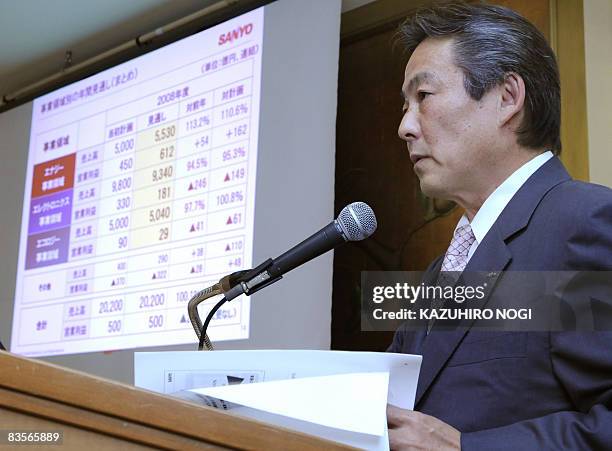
[(35, 34)]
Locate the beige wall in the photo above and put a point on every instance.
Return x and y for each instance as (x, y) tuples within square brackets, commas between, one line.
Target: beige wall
[(598, 54)]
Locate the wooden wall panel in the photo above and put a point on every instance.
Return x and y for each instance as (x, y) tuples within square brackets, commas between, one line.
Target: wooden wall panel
[(568, 42)]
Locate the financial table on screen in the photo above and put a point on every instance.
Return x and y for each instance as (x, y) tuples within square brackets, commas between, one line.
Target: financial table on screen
[(140, 192)]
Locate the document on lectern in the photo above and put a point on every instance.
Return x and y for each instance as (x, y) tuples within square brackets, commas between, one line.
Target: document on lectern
[(338, 395)]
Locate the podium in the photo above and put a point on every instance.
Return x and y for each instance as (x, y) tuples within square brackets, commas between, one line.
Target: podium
[(98, 414)]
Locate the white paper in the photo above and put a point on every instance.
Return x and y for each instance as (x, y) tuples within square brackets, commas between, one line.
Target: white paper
[(354, 402), (169, 372)]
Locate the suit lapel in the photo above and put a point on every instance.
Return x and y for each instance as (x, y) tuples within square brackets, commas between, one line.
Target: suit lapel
[(416, 346), (491, 257), (440, 344)]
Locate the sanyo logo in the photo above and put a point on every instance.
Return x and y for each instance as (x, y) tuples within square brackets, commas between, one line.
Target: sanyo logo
[(235, 34)]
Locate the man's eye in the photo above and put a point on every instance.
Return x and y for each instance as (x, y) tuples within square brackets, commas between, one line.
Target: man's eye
[(422, 94)]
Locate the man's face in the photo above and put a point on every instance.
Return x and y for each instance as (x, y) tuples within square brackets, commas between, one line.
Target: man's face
[(451, 137)]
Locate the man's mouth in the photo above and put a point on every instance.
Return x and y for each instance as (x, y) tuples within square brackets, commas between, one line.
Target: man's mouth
[(415, 158)]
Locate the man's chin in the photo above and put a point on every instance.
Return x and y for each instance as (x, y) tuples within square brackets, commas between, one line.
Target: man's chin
[(433, 190), (428, 189)]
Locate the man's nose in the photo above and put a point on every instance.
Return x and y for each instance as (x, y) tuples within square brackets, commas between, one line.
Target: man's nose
[(409, 127)]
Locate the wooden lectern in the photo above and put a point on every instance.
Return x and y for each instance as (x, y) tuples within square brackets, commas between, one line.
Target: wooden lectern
[(96, 414)]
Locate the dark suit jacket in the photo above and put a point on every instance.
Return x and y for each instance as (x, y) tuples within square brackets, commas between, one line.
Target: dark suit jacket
[(527, 390)]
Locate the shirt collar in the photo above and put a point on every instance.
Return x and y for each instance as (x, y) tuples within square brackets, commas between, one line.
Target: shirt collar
[(498, 199)]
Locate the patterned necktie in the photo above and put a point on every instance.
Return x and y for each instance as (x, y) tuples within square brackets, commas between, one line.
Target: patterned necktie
[(456, 255), (455, 260)]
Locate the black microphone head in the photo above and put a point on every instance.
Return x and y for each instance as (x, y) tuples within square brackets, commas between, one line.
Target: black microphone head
[(357, 221)]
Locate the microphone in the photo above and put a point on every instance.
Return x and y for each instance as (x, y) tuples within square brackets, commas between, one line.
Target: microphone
[(355, 222)]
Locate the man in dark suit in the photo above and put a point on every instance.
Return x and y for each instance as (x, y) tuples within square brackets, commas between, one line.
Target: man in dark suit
[(481, 122)]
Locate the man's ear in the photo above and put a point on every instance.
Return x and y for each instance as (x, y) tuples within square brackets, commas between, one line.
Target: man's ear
[(512, 98)]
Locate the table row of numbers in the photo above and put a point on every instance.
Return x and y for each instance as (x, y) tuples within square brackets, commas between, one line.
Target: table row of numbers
[(126, 272), (154, 186), (59, 322)]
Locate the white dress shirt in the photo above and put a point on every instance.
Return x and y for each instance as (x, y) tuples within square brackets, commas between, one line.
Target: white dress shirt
[(497, 201)]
